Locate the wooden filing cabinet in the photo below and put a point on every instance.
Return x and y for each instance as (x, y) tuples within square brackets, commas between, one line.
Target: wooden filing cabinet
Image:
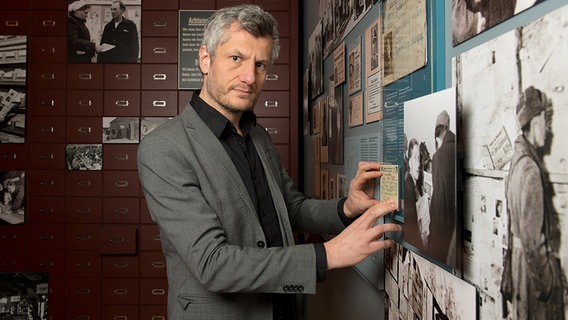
[(122, 76), (273, 104), (153, 291), (47, 236), (46, 129), (159, 50), (150, 238), (159, 103), (42, 210), (13, 156), (83, 264), (46, 75), (13, 239), (121, 183), (159, 23), (153, 312), (160, 4), (152, 264), (85, 103), (14, 21), (52, 262), (159, 76), (47, 48), (84, 130), (83, 237), (50, 156), (49, 23), (121, 103), (46, 183), (83, 183), (85, 76), (84, 292), (121, 312), (118, 239), (47, 102), (120, 291), (82, 311), (13, 261), (80, 210), (120, 156), (121, 266), (121, 210)]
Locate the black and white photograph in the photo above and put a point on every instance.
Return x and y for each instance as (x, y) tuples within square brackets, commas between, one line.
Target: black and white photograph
[(335, 130), (104, 31), (315, 61), (516, 207), (84, 156), (471, 17), (13, 197), (24, 295), (328, 26), (121, 129), (13, 102), (430, 213)]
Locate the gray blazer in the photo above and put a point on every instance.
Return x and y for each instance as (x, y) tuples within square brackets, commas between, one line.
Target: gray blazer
[(218, 265)]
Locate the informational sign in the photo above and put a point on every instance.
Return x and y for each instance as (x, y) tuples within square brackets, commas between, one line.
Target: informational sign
[(191, 27)]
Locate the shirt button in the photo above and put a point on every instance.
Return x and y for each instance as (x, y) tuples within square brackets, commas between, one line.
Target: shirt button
[(260, 244)]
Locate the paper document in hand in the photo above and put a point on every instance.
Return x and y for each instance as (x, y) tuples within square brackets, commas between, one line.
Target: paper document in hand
[(106, 47)]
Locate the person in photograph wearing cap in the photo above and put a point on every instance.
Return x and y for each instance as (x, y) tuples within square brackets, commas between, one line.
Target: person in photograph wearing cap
[(443, 232), (122, 35), (79, 45), (536, 281)]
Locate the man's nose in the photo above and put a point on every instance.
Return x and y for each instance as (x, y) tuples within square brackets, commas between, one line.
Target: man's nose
[(248, 73)]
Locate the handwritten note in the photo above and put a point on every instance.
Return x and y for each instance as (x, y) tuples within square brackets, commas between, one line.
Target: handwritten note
[(389, 183)]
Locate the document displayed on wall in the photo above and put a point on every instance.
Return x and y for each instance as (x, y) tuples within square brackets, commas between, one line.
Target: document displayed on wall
[(191, 25), (339, 64), (355, 110), (404, 38), (354, 61), (389, 184)]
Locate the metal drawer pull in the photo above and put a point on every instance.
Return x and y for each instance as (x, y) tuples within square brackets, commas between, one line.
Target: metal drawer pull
[(46, 237), (85, 129), (48, 129), (120, 318), (83, 291), (85, 76), (8, 264), (83, 317), (159, 103), (271, 77), (271, 104), (84, 183), (122, 76), (160, 50), (86, 264), (48, 23), (49, 183), (272, 130), (83, 237), (122, 156), (9, 236), (46, 264), (48, 50), (117, 240), (12, 23), (158, 292), (48, 103), (122, 103), (87, 103), (8, 157), (50, 156), (121, 184), (160, 24), (46, 210), (48, 76), (121, 210), (159, 76), (158, 265), (156, 237), (121, 265), (84, 210), (121, 291)]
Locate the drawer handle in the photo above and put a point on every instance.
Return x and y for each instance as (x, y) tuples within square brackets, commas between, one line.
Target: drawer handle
[(117, 240), (121, 265), (49, 183), (271, 104), (120, 318), (83, 291), (8, 263), (86, 264), (122, 157), (12, 23), (83, 237), (121, 292), (48, 50), (271, 77), (48, 129), (46, 210), (160, 24), (122, 103), (158, 318), (159, 76), (84, 129), (46, 264), (83, 317), (272, 130), (48, 103), (122, 76), (121, 210), (84, 210), (48, 237), (48, 76), (159, 103), (9, 236), (8, 157), (158, 292), (84, 183), (121, 184), (158, 265), (156, 237), (48, 23), (160, 50), (85, 103), (85, 76), (50, 156)]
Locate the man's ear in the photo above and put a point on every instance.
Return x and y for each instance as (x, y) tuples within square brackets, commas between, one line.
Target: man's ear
[(204, 59)]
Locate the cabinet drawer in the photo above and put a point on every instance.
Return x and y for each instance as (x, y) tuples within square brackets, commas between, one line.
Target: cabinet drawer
[(122, 76), (46, 210), (152, 264), (120, 291), (122, 312), (277, 78), (196, 5), (13, 261), (47, 49), (82, 264), (46, 183), (118, 239), (273, 104), (83, 237), (85, 291), (278, 128), (46, 75), (83, 210), (283, 18), (159, 76), (13, 156), (85, 76), (121, 184), (150, 238), (120, 157), (273, 4), (57, 289), (159, 50), (156, 312), (84, 130), (14, 22), (121, 266), (159, 23), (122, 103), (159, 103), (47, 236), (153, 291), (49, 23), (52, 262), (85, 103), (83, 183), (284, 55), (13, 238), (48, 5), (121, 210), (160, 4), (47, 102), (50, 156), (82, 312), (145, 216), (46, 129), (230, 3)]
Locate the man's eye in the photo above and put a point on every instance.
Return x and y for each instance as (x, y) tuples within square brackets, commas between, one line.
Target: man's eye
[(235, 58), (261, 65)]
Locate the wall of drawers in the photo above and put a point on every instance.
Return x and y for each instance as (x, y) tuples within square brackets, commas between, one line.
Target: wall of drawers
[(91, 230)]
